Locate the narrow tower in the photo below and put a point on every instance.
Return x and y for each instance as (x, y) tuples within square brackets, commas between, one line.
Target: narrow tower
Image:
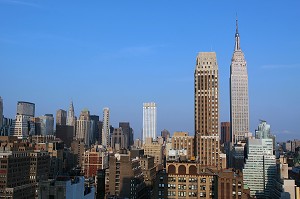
[(106, 128), (149, 121), (207, 141), (239, 100)]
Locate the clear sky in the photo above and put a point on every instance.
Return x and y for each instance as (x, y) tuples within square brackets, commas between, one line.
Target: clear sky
[(119, 54)]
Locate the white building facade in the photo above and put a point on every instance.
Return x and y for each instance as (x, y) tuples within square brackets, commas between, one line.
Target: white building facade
[(239, 99), (149, 121)]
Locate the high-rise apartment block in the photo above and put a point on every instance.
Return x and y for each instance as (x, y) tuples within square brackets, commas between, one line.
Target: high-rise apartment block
[(149, 120), (106, 128), (239, 99), (207, 144), (126, 177), (83, 127), (61, 117)]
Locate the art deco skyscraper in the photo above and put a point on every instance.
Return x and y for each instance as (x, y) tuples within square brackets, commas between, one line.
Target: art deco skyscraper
[(149, 121), (71, 116), (239, 100), (207, 110), (106, 128)]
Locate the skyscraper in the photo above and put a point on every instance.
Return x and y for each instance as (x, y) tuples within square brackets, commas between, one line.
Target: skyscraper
[(24, 125), (61, 117), (149, 121), (1, 113), (207, 143), (71, 119), (106, 128), (47, 124), (83, 127), (71, 116), (239, 100)]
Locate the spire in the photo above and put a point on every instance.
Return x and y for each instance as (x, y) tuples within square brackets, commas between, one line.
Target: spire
[(237, 36)]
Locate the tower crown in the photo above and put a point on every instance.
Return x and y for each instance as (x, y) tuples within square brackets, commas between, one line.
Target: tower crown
[(237, 37)]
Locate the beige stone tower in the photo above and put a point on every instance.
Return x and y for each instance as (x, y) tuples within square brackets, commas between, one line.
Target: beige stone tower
[(207, 142), (239, 100)]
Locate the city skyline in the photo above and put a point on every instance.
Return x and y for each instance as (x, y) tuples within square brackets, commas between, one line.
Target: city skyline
[(51, 57)]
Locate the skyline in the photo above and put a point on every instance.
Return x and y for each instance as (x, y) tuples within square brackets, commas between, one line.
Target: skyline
[(56, 42)]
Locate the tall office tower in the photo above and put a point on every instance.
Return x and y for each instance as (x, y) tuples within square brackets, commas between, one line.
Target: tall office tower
[(239, 100), (149, 121), (260, 167), (25, 108), (106, 128), (47, 124), (61, 117), (83, 127), (1, 113), (207, 141), (263, 131), (24, 125), (118, 139), (71, 121), (95, 128), (127, 133)]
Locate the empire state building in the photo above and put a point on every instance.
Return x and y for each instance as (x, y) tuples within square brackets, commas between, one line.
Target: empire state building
[(239, 100)]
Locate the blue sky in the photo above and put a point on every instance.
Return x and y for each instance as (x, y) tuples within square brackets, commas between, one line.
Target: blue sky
[(119, 54)]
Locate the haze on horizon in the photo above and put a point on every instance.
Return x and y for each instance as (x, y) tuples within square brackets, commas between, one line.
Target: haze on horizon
[(120, 54)]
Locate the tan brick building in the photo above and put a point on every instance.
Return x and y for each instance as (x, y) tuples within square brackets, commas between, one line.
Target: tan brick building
[(182, 140)]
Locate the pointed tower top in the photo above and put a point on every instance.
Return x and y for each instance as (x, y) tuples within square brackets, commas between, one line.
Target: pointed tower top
[(237, 36)]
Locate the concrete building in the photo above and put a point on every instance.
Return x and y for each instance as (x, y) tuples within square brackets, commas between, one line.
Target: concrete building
[(118, 140), (225, 132), (61, 117), (153, 148), (94, 159), (182, 140), (260, 167), (207, 143), (149, 121), (83, 127), (65, 187), (47, 124), (128, 134), (239, 99), (106, 128), (126, 177)]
